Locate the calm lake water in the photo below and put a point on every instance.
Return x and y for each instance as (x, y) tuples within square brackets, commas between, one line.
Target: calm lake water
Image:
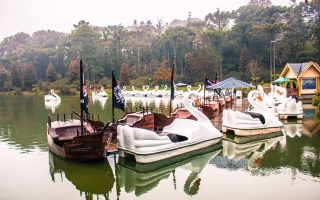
[(281, 166)]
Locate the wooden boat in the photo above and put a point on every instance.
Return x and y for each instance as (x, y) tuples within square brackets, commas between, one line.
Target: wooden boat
[(180, 137), (74, 139), (65, 140), (211, 110)]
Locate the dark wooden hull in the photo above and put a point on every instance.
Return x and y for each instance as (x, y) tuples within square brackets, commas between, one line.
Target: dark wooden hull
[(82, 148), (160, 120), (182, 113), (210, 111), (145, 121), (222, 104)]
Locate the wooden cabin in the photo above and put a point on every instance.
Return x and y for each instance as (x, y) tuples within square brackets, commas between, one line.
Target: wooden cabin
[(307, 76)]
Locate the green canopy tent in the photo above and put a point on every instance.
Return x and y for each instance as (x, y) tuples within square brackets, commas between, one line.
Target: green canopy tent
[(282, 79)]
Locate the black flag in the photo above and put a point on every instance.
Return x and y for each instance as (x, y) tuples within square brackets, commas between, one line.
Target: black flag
[(208, 82), (172, 83), (216, 80), (84, 99), (117, 98)]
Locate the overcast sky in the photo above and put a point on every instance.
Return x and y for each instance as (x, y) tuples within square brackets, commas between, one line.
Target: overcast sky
[(32, 15)]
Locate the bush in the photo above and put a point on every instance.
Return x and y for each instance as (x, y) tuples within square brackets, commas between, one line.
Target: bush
[(316, 99), (18, 91), (64, 89)]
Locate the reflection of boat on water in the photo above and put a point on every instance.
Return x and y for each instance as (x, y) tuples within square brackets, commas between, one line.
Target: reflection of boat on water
[(101, 100), (90, 179), (142, 178), (292, 129), (246, 152), (52, 105)]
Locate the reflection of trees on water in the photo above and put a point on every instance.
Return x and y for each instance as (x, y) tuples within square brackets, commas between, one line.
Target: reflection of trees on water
[(91, 179), (22, 125), (301, 154), (263, 157)]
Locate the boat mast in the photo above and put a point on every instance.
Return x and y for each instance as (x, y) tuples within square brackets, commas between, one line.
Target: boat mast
[(171, 89), (204, 92), (81, 95), (113, 118)]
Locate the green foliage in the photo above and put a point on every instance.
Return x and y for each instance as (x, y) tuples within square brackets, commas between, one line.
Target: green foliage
[(29, 76), (223, 42), (105, 82), (316, 99), (3, 76), (163, 75), (74, 71), (51, 73), (18, 91), (124, 76), (15, 76)]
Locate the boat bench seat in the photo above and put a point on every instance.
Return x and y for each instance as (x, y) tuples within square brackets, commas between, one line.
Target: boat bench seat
[(66, 138)]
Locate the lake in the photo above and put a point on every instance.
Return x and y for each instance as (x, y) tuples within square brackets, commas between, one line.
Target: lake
[(278, 166)]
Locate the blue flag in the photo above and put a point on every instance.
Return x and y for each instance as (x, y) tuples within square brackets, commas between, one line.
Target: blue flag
[(172, 83), (117, 97)]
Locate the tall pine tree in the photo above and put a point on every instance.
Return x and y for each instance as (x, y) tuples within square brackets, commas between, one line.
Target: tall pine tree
[(29, 76), (124, 76), (51, 73)]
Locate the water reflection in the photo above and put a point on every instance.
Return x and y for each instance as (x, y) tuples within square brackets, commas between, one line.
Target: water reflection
[(142, 178), (156, 103), (52, 105), (292, 129), (246, 152), (100, 101), (93, 180)]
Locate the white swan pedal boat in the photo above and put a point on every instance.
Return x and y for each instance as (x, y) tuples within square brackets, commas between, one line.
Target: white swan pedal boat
[(52, 96), (181, 136), (245, 124)]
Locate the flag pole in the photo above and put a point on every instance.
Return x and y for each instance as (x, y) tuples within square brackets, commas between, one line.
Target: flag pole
[(113, 119), (81, 96), (204, 92), (171, 89)]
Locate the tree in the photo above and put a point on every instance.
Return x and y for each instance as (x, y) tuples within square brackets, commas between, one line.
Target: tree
[(244, 61), (84, 42), (124, 76), (189, 68), (51, 73), (29, 76), (15, 76), (254, 70), (163, 75), (74, 71), (3, 76)]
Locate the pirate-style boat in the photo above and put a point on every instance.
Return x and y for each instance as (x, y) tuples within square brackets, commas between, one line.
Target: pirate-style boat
[(81, 140)]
